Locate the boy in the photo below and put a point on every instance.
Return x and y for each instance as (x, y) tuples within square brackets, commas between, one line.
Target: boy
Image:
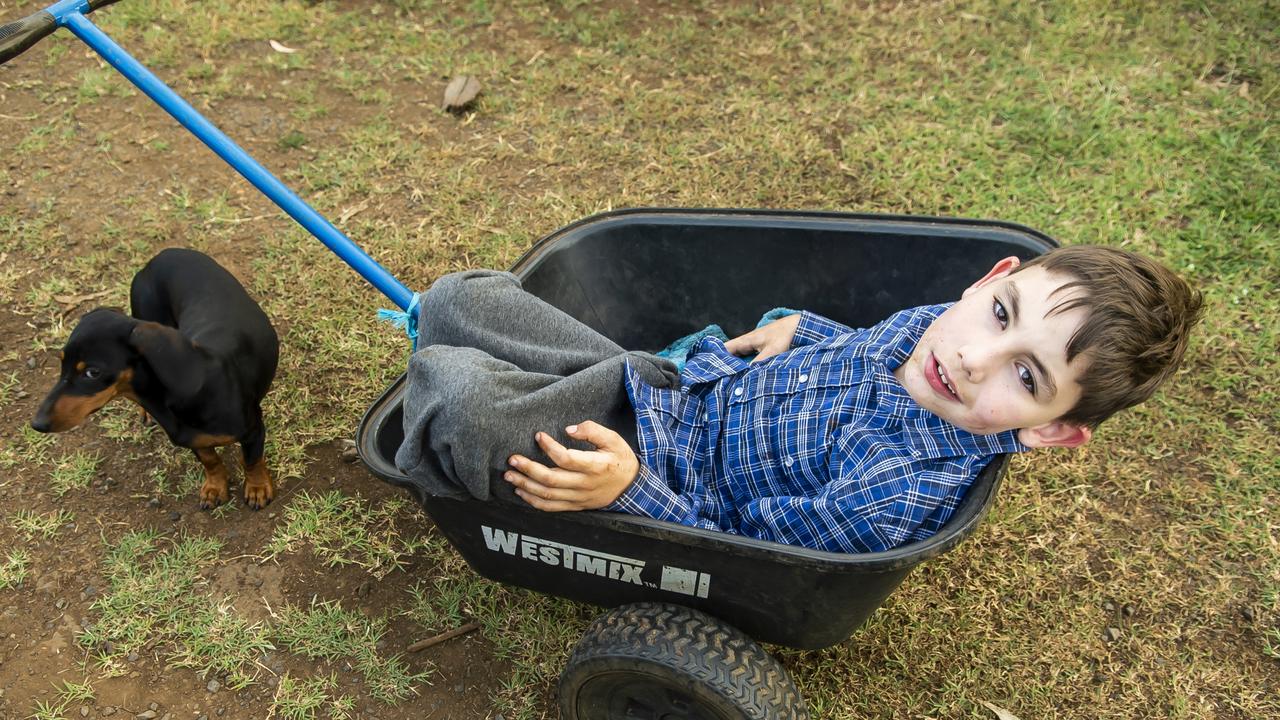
[(832, 438)]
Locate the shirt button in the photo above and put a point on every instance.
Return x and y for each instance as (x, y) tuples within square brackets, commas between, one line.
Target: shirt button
[(737, 391), (803, 378), (789, 461)]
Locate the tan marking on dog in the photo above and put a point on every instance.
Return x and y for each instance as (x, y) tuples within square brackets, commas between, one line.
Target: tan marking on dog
[(71, 410), (206, 440), (68, 411), (124, 385), (214, 490), (258, 490), (80, 366)]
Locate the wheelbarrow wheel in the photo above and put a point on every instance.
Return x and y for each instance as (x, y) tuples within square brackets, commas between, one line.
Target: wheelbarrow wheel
[(652, 661)]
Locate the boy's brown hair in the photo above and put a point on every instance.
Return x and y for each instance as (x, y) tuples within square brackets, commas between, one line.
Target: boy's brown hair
[(1140, 316)]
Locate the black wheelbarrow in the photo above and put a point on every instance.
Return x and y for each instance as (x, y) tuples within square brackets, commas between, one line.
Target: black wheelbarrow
[(687, 601)]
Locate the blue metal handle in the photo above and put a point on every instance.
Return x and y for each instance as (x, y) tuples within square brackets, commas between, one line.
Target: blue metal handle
[(69, 14)]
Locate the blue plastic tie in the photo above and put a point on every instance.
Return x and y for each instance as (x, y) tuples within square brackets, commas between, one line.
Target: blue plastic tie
[(406, 319)]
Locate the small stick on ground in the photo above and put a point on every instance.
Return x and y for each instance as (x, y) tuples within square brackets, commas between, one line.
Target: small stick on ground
[(424, 644)]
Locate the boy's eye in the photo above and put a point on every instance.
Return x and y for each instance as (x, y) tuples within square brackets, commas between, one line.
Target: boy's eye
[(1028, 379), (1002, 315)]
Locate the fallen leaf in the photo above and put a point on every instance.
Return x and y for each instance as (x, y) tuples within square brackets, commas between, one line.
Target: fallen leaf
[(1000, 712), (280, 48), (1244, 89), (350, 212), (461, 91)]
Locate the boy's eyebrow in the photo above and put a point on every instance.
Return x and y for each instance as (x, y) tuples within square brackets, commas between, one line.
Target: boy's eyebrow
[(1050, 389)]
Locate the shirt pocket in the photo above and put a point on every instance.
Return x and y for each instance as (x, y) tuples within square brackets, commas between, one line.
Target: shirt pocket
[(810, 422)]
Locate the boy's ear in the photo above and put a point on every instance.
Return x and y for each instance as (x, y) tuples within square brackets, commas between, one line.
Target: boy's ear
[(999, 270), (1055, 434), (172, 357)]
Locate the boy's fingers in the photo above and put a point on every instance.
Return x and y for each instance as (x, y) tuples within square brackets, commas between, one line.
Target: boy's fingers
[(545, 505), (768, 351), (541, 495), (741, 345), (594, 433), (567, 458), (553, 477)]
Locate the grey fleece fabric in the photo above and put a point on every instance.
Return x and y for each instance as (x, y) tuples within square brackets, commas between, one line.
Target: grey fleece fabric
[(495, 366)]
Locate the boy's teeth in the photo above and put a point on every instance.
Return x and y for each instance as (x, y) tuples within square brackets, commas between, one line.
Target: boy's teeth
[(942, 373)]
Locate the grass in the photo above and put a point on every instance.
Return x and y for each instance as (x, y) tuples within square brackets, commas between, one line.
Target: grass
[(45, 526), (346, 530), (153, 599), (305, 698), (68, 694), (13, 569), (326, 631), (74, 471), (1139, 124)]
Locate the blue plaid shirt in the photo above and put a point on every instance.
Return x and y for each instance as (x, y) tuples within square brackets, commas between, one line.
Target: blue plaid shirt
[(819, 446)]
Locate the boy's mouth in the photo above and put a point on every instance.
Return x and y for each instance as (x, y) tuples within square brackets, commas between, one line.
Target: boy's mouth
[(936, 375)]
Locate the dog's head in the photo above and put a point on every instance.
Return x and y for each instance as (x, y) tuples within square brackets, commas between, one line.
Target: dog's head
[(97, 366)]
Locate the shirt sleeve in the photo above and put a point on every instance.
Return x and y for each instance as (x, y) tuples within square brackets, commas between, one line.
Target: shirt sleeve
[(815, 328), (649, 496)]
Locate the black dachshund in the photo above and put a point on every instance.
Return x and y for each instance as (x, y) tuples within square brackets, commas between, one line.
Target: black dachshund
[(198, 355)]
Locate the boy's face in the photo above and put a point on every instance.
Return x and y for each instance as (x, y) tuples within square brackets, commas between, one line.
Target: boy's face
[(997, 359)]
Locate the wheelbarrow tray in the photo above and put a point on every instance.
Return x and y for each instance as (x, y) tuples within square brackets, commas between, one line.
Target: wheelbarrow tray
[(646, 277)]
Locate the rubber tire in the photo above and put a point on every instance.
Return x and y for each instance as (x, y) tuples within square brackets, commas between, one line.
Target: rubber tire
[(651, 660)]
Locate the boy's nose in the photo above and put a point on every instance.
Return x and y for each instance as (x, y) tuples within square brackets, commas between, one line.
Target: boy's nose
[(975, 361)]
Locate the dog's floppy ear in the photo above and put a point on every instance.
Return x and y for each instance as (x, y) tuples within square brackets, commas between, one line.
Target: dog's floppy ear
[(176, 362)]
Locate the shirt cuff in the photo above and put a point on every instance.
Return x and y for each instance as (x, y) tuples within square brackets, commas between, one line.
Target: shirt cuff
[(815, 328), (649, 496)]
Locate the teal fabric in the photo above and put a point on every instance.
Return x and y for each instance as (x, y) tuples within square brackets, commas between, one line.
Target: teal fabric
[(678, 351)]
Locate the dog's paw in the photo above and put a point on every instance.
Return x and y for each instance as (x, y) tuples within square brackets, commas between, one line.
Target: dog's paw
[(258, 495), (212, 495)]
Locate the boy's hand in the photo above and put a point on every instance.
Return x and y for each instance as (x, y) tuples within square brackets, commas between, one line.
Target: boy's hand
[(767, 341), (582, 479)]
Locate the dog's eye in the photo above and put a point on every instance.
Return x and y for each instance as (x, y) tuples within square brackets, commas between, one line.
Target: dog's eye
[(92, 373)]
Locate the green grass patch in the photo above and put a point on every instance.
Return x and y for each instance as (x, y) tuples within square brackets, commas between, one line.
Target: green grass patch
[(156, 598), (348, 530), (326, 631), (13, 569), (44, 526), (30, 448), (74, 471), (310, 699), (68, 694)]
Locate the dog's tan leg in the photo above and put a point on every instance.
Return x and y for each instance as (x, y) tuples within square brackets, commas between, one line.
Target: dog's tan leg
[(258, 490), (214, 491)]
